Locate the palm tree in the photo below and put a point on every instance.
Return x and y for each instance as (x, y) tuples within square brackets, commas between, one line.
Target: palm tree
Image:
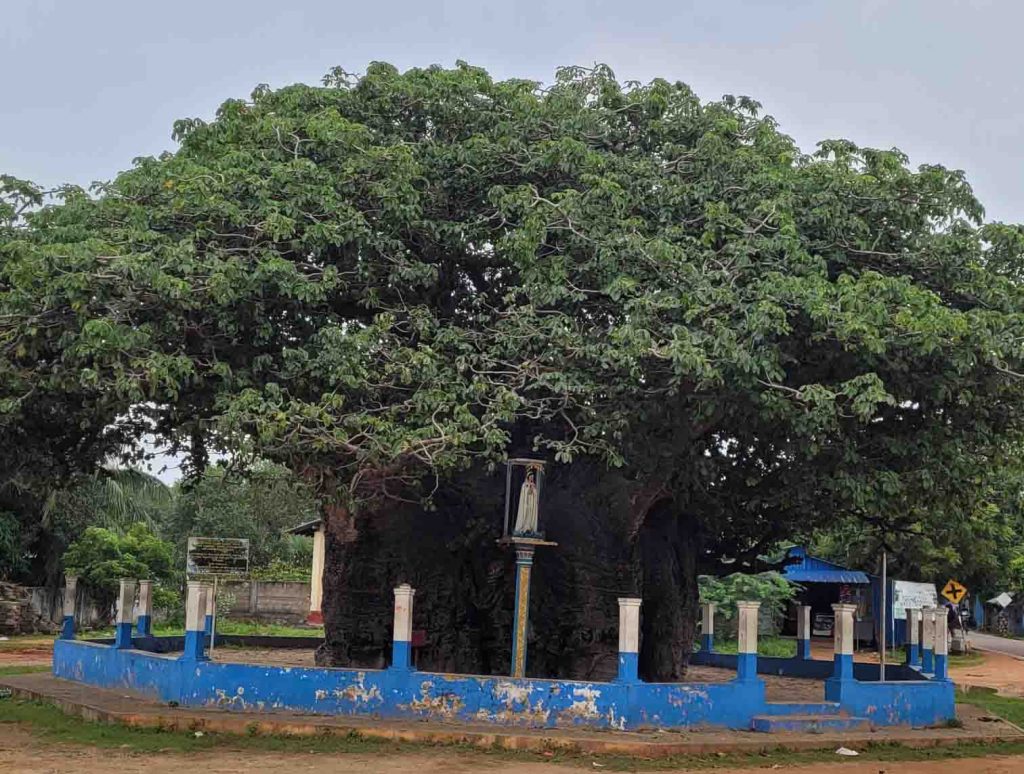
[(114, 498)]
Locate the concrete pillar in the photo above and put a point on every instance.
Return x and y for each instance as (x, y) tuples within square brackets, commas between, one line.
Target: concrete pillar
[(928, 639), (941, 648), (316, 584), (125, 604), (401, 644), (913, 636), (746, 659), (629, 639), (707, 627), (67, 628), (211, 608), (195, 615), (803, 632), (843, 642), (144, 609)]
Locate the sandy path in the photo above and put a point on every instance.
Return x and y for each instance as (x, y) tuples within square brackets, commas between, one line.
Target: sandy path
[(23, 753)]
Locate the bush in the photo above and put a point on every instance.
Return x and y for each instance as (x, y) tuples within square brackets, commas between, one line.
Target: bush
[(769, 588), (101, 557)]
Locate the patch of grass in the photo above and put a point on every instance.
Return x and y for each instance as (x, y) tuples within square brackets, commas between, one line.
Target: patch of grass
[(52, 726), (1006, 707), (230, 626), (777, 647), (22, 669), (27, 642), (227, 626), (967, 659)]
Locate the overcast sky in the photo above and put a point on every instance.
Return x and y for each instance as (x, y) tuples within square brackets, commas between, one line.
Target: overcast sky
[(90, 84)]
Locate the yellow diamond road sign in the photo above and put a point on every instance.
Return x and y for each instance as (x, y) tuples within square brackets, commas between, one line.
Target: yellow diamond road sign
[(954, 591)]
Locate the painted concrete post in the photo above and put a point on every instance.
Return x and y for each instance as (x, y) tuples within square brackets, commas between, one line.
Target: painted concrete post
[(125, 603), (524, 566), (144, 609), (842, 631), (746, 659), (707, 627), (401, 644), (913, 636), (316, 579), (941, 649), (67, 628), (211, 607), (629, 639), (803, 632), (195, 614), (928, 639)]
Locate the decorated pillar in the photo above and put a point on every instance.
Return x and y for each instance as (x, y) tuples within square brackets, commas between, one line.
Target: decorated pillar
[(67, 629), (524, 567), (401, 643), (144, 609), (842, 631), (125, 604), (746, 660), (803, 632), (316, 580), (629, 639), (707, 627), (913, 636), (195, 614), (927, 639), (941, 648)]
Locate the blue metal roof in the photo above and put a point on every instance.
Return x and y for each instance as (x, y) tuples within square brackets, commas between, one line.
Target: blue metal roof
[(811, 569)]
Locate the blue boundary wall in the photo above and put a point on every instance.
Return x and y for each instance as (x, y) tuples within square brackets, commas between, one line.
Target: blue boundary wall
[(808, 668), (407, 693), (907, 698)]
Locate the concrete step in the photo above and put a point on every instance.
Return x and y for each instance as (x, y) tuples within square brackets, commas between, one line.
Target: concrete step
[(808, 724), (802, 708)]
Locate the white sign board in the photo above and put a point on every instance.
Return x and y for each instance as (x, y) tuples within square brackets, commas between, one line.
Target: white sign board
[(911, 594)]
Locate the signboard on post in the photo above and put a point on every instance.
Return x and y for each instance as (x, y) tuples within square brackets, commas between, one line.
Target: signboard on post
[(913, 595), (954, 591), (217, 558)]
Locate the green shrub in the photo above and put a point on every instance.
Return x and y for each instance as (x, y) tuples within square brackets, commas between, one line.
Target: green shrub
[(101, 557)]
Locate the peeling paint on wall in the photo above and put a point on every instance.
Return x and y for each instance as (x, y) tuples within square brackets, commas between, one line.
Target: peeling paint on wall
[(531, 703)]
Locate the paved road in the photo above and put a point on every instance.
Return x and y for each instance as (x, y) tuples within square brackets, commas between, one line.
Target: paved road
[(998, 644)]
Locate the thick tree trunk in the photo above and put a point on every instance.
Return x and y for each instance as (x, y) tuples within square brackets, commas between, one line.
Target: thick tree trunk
[(465, 581), (668, 548)]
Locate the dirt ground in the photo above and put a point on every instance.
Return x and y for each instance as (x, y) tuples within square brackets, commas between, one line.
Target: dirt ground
[(1004, 673), (23, 753)]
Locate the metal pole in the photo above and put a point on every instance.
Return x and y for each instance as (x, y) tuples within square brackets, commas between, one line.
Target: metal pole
[(213, 627), (885, 616)]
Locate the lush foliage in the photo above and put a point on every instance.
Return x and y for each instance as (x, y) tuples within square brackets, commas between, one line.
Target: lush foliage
[(101, 557), (381, 279), (771, 589), (258, 504)]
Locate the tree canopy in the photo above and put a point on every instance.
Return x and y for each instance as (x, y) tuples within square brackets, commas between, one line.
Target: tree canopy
[(381, 279)]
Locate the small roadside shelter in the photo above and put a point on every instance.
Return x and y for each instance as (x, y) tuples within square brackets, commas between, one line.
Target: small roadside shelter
[(823, 584)]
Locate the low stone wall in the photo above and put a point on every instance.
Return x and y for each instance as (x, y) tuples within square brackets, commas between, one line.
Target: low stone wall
[(18, 615), (48, 603), (813, 669), (269, 601)]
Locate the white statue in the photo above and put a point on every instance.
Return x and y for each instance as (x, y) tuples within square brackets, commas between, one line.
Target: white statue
[(526, 515)]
